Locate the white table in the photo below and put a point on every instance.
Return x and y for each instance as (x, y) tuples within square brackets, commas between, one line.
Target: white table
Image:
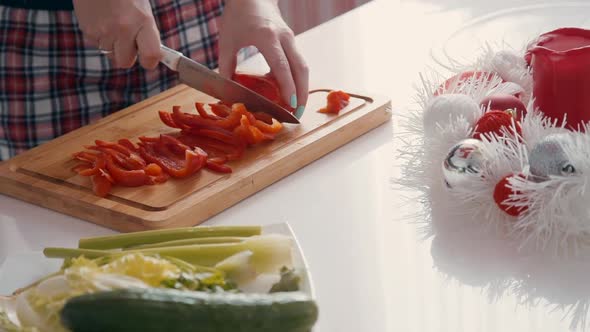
[(372, 272)]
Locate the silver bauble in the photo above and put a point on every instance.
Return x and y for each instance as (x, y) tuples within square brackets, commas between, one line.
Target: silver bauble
[(548, 157), (464, 161)]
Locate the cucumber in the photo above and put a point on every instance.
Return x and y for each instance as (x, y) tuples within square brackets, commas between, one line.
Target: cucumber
[(171, 311)]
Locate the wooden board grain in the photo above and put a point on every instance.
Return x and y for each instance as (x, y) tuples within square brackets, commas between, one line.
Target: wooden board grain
[(42, 175)]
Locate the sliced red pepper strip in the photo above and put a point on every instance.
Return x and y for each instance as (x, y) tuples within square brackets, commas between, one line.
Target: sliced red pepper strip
[(159, 178), (241, 108), (337, 100), (259, 136), (203, 112), (115, 146), (162, 153), (98, 164), (231, 152), (168, 120), (243, 133), (128, 144), (252, 134), (101, 185), (85, 156), (220, 110), (153, 169), (196, 121), (264, 117), (127, 178), (146, 139), (273, 128), (219, 168), (218, 160), (217, 133), (124, 156), (83, 166), (131, 162), (174, 144), (106, 175)]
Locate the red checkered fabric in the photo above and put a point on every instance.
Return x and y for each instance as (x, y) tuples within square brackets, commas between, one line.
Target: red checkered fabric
[(52, 81)]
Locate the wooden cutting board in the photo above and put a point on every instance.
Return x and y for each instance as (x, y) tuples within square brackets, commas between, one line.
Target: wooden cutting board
[(43, 175)]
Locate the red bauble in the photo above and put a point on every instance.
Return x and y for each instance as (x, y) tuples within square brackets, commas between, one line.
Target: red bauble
[(505, 102), (503, 192), (457, 80), (492, 122)]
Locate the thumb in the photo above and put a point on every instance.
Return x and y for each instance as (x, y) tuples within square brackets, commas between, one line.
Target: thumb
[(228, 62)]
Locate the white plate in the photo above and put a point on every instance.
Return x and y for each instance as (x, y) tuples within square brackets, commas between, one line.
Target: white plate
[(19, 271), (511, 27)]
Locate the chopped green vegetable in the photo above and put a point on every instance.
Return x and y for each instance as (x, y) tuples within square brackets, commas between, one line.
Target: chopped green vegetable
[(156, 236), (185, 242), (238, 267), (187, 267), (68, 253), (289, 281), (270, 252), (6, 325), (170, 310)]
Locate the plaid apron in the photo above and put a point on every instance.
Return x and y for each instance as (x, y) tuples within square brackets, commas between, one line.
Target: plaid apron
[(53, 82)]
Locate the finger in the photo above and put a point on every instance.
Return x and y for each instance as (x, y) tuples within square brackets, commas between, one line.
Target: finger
[(107, 44), (125, 52), (299, 70), (148, 46), (90, 41), (279, 67), (228, 60)]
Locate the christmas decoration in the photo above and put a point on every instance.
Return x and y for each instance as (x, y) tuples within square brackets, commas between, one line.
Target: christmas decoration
[(464, 160), (505, 102), (496, 123), (485, 147), (447, 108)]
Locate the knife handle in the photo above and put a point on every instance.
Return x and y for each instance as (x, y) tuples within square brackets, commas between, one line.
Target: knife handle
[(170, 57)]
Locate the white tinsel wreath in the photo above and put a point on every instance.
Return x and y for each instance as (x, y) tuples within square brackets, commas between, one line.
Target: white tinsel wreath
[(555, 207)]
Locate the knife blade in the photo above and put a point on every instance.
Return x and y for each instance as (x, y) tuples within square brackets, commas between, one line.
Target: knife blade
[(201, 78)]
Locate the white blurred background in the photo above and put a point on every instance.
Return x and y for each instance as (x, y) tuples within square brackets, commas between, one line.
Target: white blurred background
[(306, 14)]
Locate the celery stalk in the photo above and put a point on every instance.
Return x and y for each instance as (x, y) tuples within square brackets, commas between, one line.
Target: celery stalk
[(269, 252), (178, 243), (165, 235), (191, 267), (74, 253)]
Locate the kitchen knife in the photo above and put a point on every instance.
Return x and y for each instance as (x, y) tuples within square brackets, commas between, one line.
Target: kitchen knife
[(206, 80)]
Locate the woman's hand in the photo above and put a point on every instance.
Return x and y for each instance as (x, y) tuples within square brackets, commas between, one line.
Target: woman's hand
[(259, 23), (125, 27)]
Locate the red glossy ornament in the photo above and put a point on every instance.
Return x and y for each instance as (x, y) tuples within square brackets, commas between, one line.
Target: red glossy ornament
[(505, 102), (503, 192), (492, 122), (456, 81)]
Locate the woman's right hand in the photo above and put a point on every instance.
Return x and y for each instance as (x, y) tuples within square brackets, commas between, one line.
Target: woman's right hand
[(125, 27)]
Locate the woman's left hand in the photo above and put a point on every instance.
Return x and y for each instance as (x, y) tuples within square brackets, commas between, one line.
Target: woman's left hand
[(259, 23)]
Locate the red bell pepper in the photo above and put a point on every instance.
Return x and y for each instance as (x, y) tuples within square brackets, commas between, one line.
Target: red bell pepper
[(266, 86), (168, 120), (174, 157), (218, 167), (101, 185), (127, 178), (204, 114), (220, 110), (337, 100), (264, 117)]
